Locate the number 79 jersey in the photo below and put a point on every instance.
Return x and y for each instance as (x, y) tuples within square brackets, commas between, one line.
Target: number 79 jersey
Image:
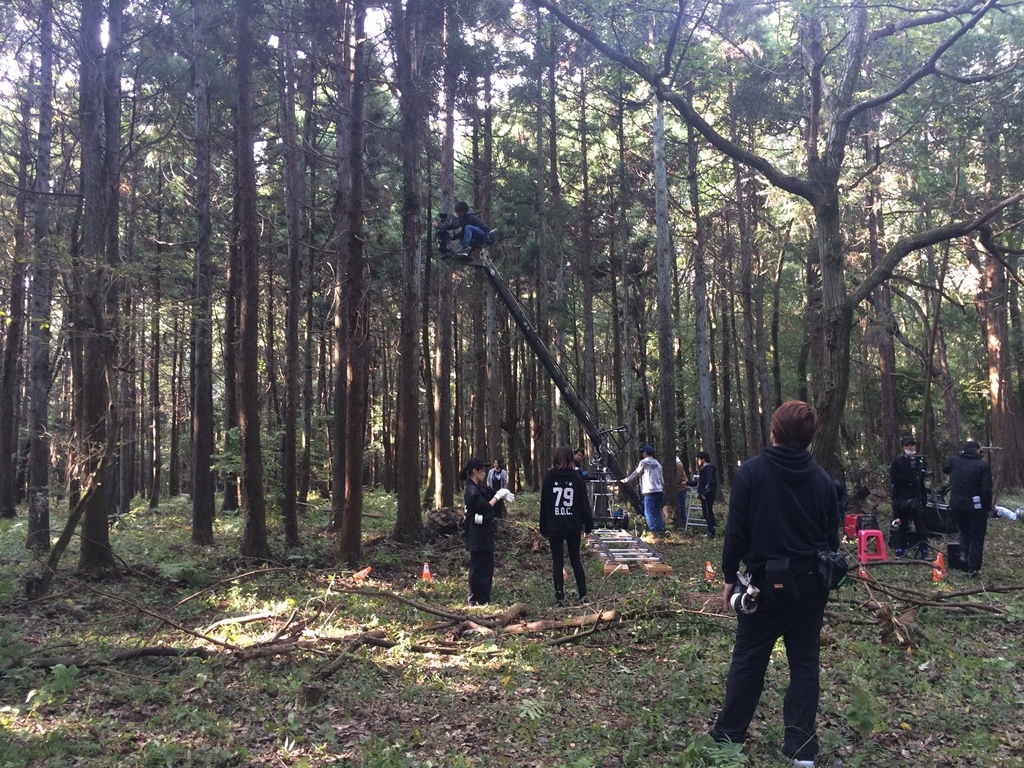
[(564, 504)]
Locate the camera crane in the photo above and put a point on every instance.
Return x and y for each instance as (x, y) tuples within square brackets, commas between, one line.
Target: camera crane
[(601, 439)]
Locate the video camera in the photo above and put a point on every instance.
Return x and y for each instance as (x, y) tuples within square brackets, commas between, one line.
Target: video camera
[(443, 227), (918, 464)]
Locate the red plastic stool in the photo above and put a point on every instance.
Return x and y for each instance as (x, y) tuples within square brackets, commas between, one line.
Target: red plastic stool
[(865, 538)]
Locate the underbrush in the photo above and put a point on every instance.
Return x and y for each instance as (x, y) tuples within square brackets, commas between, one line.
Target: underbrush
[(639, 691)]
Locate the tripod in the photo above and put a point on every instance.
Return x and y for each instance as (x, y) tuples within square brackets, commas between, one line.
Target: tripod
[(908, 546)]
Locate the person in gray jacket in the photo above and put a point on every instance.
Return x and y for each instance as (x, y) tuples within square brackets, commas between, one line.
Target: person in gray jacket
[(652, 488), (970, 499)]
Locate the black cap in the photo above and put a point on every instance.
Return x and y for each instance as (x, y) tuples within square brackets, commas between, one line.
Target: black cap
[(473, 463), (972, 446), (908, 440), (648, 449)]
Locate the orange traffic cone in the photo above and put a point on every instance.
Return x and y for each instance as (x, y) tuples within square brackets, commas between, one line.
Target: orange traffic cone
[(709, 572), (426, 571), (361, 575), (861, 572), (939, 568)]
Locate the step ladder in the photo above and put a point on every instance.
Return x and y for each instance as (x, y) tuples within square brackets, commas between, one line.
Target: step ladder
[(694, 511), (619, 549)]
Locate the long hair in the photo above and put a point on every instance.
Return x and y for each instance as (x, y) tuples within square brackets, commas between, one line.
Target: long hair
[(563, 458), (794, 425)]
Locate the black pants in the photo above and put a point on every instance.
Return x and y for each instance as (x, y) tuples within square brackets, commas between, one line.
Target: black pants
[(798, 623), (481, 575), (907, 511), (973, 525), (709, 514), (572, 541)]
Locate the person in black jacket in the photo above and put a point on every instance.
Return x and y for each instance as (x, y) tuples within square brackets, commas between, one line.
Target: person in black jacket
[(564, 513), (906, 479), (707, 486), (782, 512), (970, 499), (474, 231), (480, 513)]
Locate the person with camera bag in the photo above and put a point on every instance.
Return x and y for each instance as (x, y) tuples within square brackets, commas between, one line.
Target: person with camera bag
[(970, 499), (906, 477), (783, 516)]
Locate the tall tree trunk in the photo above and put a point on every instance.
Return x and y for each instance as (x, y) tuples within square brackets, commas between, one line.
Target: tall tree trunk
[(254, 536), (177, 376), (38, 535), (294, 201), (444, 457), (231, 300), (155, 403), (358, 362), (203, 481), (700, 301), (882, 301), (343, 82), (589, 384), (543, 408), (728, 451), (666, 335), (90, 320), (409, 30), (16, 322)]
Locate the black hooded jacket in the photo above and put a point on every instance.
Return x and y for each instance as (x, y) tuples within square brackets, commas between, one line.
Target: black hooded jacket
[(782, 505), (969, 476)]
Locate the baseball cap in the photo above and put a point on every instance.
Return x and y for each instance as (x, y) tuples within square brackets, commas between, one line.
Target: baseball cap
[(471, 464), (648, 449), (908, 440)]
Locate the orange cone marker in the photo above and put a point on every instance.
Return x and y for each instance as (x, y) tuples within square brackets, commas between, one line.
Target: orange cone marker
[(709, 572), (426, 571), (939, 568), (361, 575)]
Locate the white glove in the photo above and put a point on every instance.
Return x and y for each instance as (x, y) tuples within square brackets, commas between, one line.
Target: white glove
[(504, 494)]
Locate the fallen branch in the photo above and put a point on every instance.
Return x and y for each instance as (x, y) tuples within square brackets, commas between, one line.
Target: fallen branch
[(548, 624), (238, 620), (159, 617), (575, 636)]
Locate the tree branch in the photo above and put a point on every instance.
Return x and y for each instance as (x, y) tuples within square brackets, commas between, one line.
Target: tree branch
[(785, 181), (906, 245), (929, 67)]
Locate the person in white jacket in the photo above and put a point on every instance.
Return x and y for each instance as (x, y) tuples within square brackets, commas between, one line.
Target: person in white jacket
[(652, 488)]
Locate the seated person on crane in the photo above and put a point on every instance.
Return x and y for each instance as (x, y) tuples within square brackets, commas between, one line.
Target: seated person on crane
[(473, 231)]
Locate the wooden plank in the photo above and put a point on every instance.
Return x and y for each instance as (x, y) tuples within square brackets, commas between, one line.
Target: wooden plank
[(657, 569)]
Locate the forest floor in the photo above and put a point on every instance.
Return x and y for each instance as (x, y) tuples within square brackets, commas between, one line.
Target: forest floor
[(303, 665)]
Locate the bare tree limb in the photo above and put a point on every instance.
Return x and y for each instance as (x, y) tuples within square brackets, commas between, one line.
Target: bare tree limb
[(906, 245)]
